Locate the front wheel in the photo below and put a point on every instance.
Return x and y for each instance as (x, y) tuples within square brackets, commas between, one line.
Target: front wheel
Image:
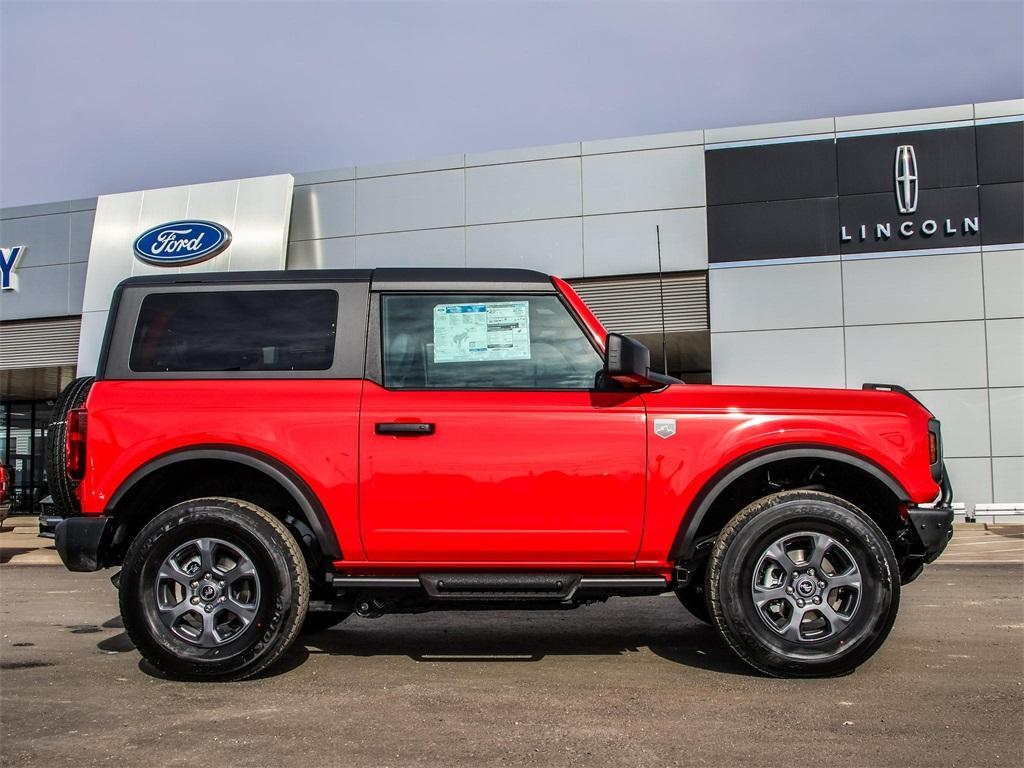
[(803, 584), (214, 589)]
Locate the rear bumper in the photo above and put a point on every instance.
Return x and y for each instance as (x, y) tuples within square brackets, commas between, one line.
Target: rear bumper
[(81, 542), (932, 526)]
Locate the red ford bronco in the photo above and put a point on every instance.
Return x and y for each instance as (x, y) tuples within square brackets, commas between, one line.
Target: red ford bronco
[(263, 451)]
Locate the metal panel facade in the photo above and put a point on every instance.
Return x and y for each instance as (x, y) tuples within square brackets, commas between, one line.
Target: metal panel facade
[(816, 276), (633, 305), (930, 298)]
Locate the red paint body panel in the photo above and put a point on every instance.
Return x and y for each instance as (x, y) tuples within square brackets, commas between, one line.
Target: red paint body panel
[(718, 425), (521, 476), (309, 425), (512, 479), (590, 322)]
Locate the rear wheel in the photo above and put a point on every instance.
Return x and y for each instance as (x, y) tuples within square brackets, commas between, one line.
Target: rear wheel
[(65, 502), (214, 588), (803, 584)]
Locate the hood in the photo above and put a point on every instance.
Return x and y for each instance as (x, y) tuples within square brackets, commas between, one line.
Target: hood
[(781, 400)]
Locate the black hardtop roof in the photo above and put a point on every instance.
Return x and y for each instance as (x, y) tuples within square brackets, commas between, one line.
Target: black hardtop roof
[(380, 279)]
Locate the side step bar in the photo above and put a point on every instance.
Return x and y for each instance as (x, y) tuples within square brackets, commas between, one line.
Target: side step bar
[(506, 586)]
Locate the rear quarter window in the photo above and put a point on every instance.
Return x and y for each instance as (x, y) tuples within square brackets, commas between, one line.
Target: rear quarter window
[(224, 331)]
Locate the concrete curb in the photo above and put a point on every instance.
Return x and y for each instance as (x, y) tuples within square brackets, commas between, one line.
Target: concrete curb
[(20, 543)]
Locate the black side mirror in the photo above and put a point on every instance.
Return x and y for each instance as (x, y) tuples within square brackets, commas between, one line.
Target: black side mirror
[(628, 362)]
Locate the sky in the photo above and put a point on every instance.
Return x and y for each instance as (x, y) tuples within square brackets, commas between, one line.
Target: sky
[(115, 96)]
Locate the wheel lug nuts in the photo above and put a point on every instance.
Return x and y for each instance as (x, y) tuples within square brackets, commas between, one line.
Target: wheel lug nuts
[(800, 603), (206, 576), (194, 584), (222, 598), (809, 572), (817, 601), (220, 584), (789, 590), (195, 601), (209, 608), (821, 585)]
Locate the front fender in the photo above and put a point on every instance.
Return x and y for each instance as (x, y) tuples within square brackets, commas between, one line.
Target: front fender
[(684, 542), (722, 432)]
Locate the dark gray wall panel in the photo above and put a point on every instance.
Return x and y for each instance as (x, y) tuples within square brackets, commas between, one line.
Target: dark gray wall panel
[(1001, 152), (935, 205), (771, 172), (1002, 213), (783, 229), (945, 158)]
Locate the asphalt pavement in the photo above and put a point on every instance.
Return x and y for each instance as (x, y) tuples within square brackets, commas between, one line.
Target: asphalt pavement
[(634, 682)]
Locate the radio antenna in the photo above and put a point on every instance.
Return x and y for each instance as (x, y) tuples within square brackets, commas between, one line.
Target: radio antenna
[(661, 296)]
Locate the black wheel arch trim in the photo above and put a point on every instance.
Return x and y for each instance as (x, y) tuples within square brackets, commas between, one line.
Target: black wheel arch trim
[(295, 486), (684, 545)]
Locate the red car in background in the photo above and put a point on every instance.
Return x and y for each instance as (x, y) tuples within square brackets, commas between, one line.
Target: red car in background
[(6, 491)]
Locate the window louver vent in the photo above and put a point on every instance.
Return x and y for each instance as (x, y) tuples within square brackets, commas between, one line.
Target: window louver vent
[(39, 343), (633, 305)]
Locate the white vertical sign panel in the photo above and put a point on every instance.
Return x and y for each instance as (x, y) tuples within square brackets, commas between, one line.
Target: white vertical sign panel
[(255, 211)]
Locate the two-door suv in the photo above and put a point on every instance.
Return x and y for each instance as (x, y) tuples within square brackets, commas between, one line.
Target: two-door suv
[(263, 451)]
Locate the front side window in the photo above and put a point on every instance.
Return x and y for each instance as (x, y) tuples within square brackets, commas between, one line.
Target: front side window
[(452, 341), (221, 331)]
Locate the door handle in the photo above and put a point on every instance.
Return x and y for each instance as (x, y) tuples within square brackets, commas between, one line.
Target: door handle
[(405, 428)]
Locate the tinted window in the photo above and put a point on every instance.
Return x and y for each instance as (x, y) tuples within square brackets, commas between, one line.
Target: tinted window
[(236, 331), (484, 342)]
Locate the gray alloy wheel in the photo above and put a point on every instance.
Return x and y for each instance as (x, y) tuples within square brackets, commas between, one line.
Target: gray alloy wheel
[(213, 589), (803, 583), (806, 586), (207, 591)]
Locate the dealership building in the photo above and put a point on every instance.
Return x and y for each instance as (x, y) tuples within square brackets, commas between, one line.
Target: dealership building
[(826, 253)]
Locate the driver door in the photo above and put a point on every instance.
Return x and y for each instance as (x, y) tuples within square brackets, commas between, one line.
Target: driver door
[(485, 440)]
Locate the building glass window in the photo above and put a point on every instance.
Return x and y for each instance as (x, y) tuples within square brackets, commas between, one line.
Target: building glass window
[(22, 448)]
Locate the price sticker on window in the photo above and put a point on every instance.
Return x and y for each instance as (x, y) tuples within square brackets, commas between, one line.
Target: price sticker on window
[(478, 332)]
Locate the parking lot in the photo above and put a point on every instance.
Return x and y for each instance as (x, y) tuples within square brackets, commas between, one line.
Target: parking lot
[(631, 682)]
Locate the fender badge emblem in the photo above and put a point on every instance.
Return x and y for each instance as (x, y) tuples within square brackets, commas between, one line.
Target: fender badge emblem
[(664, 427)]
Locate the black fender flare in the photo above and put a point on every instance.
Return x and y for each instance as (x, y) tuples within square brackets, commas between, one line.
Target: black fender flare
[(684, 545), (312, 510)]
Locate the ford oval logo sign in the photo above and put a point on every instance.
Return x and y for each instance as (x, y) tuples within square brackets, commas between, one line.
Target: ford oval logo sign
[(178, 243)]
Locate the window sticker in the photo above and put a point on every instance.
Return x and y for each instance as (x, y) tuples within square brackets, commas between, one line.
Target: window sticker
[(480, 332)]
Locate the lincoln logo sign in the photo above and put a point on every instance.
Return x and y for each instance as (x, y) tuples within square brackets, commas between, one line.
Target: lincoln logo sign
[(905, 177), (178, 243)]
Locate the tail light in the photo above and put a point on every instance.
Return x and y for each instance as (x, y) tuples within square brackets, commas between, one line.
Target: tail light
[(935, 449), (74, 448)]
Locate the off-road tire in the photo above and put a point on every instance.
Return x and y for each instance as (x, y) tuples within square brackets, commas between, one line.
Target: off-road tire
[(284, 589), (62, 489), (730, 574)]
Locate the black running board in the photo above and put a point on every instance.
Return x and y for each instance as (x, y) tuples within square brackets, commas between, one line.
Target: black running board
[(506, 586), (514, 587)]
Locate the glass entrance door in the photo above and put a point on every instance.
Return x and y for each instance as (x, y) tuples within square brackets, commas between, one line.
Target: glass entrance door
[(22, 448)]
